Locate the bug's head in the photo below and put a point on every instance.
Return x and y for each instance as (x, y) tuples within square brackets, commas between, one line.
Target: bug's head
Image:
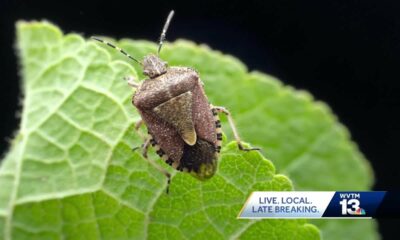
[(153, 66)]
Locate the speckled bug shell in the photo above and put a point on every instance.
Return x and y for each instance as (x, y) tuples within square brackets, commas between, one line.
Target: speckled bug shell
[(180, 84)]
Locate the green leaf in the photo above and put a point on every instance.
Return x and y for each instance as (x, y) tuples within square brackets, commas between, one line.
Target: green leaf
[(71, 173)]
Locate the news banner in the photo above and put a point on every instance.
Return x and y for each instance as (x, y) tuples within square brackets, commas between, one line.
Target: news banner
[(322, 204)]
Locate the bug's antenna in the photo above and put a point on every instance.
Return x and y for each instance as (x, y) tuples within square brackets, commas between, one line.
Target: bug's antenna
[(164, 31), (118, 49)]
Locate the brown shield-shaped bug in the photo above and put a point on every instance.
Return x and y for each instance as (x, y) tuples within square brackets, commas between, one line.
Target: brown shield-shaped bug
[(183, 127)]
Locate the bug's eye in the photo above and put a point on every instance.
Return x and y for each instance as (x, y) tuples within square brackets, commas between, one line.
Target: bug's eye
[(146, 72)]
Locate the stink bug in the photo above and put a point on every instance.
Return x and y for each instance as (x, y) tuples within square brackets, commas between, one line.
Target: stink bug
[(183, 127)]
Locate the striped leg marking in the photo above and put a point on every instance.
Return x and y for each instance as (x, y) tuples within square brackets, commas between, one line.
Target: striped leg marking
[(223, 110)]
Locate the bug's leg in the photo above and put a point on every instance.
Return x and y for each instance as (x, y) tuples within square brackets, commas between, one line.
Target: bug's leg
[(223, 110), (138, 124), (135, 148), (131, 81), (145, 148)]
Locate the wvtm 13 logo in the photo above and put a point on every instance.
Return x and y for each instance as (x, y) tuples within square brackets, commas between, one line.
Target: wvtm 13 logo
[(351, 204)]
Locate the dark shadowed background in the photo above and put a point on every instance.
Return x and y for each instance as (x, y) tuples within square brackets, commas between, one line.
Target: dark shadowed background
[(346, 53)]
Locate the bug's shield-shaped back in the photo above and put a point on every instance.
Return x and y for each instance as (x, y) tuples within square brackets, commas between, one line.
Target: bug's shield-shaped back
[(178, 112)]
